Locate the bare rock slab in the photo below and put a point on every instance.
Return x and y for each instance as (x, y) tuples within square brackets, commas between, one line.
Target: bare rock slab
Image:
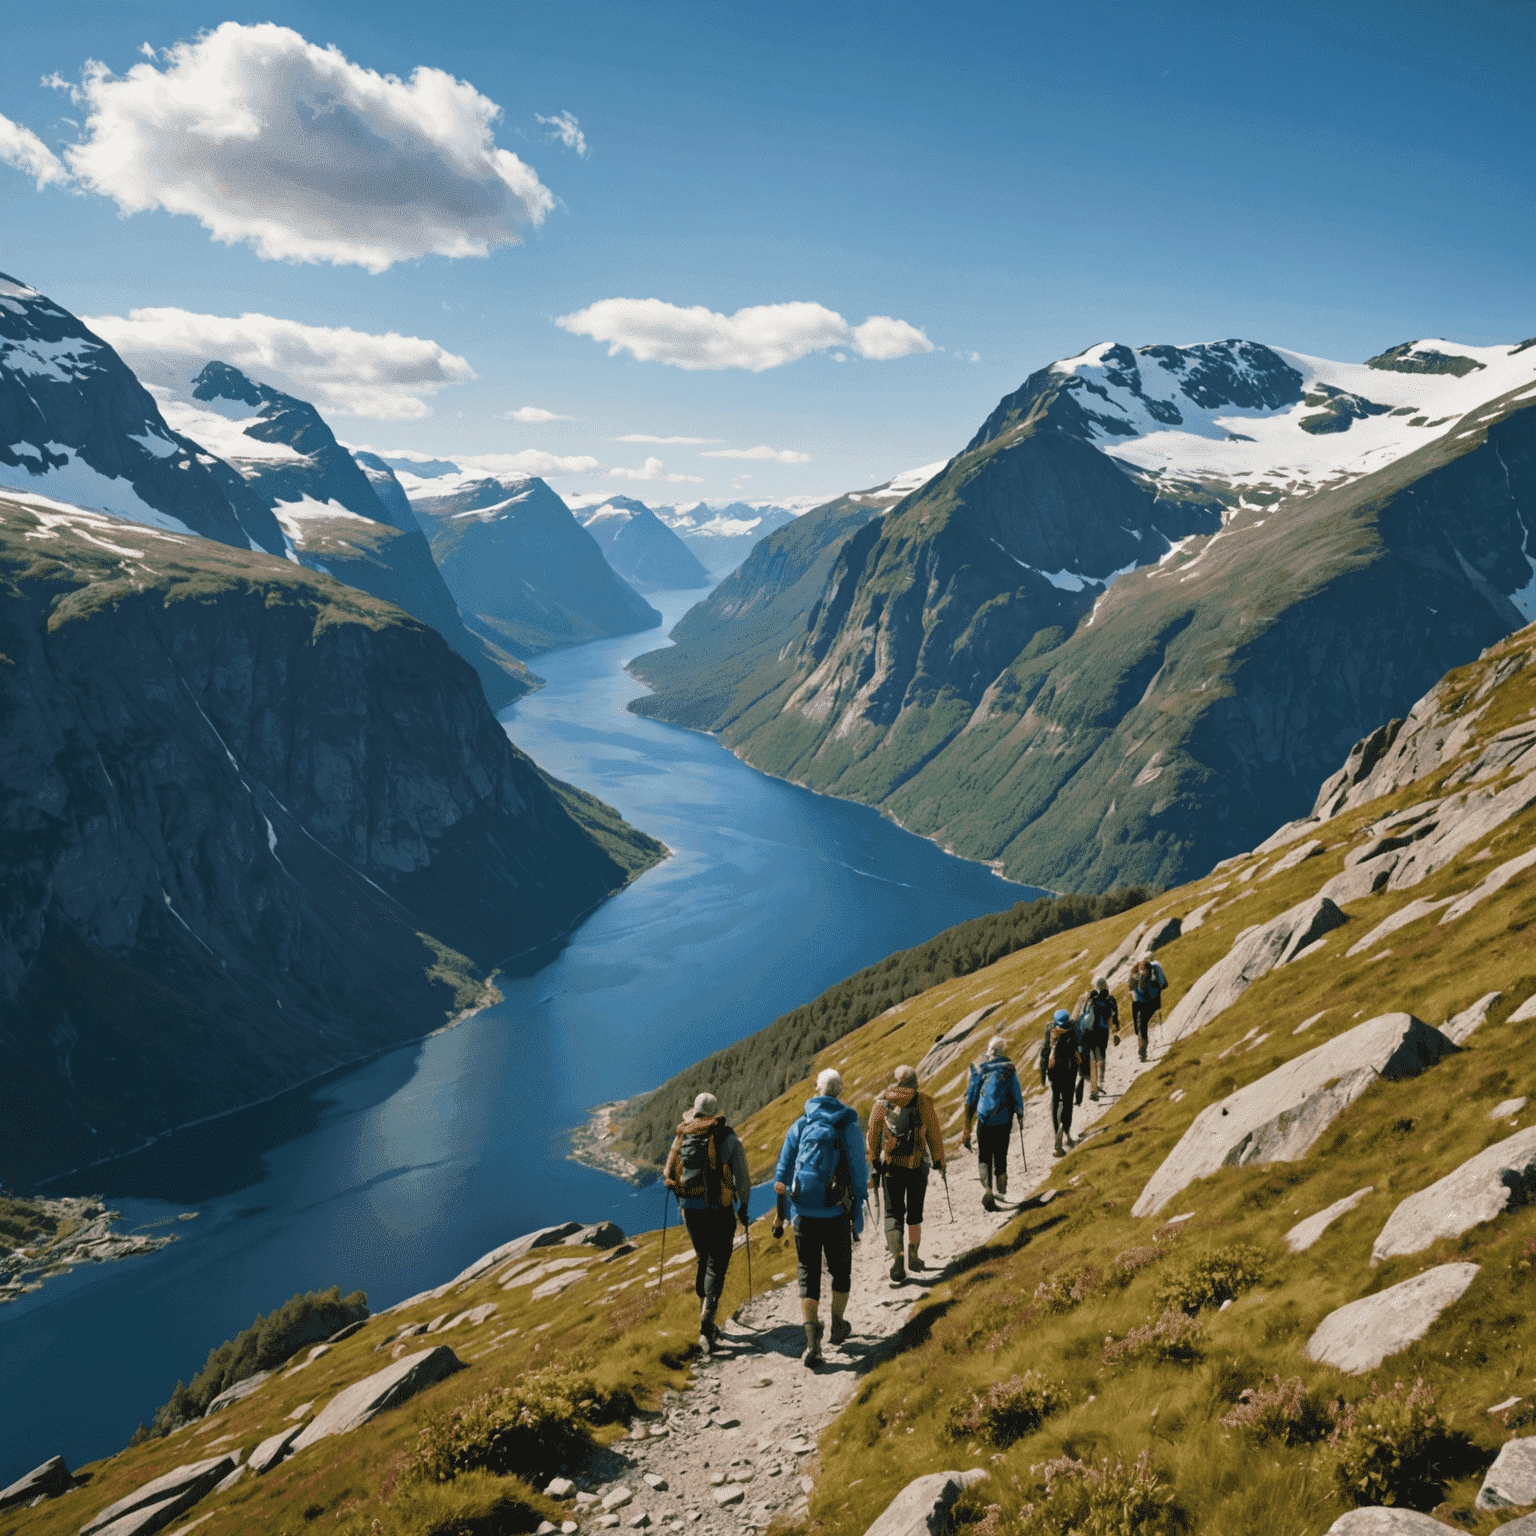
[(1511, 1480), (181, 1488), (923, 1507), (1307, 1231), (1279, 1117), (1359, 1336), (47, 1481), (241, 1390), (1379, 1520), (274, 1448), (367, 1398), (1500, 1178), (1253, 954)]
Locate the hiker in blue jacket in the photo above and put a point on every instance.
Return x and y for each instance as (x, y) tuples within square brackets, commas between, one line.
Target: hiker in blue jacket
[(993, 1100), (823, 1175)]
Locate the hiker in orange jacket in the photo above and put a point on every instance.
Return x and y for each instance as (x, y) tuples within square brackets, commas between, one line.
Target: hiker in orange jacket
[(904, 1138)]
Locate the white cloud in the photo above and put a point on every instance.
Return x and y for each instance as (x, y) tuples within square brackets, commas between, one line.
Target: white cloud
[(531, 461), (565, 128), (645, 437), (759, 337), (969, 357), (653, 469), (22, 148), (762, 451), (355, 373), (271, 141), (535, 413)]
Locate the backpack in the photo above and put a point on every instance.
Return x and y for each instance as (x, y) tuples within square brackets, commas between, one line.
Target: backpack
[(821, 1176), (994, 1087), (1063, 1048), (703, 1173), (902, 1127)]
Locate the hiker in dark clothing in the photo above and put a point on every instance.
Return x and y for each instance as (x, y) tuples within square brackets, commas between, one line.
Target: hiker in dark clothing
[(904, 1137), (822, 1175), (1060, 1054), (993, 1101), (707, 1171), (1147, 987), (1099, 1015)]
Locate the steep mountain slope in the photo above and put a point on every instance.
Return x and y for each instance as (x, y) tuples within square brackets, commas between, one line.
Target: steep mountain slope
[(641, 548), (257, 824), (523, 571), (330, 507), (737, 645), (1155, 598), (77, 426)]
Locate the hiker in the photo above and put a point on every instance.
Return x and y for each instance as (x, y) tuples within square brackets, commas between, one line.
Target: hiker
[(993, 1100), (1097, 1018), (1060, 1055), (1147, 987), (707, 1171), (904, 1138), (822, 1173)]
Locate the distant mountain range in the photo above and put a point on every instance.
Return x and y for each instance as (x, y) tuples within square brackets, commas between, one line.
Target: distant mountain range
[(642, 548), (1131, 624), (720, 534)]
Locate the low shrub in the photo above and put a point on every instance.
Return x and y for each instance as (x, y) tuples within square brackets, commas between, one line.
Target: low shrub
[(1212, 1278), (1008, 1410), (1394, 1448), (1103, 1500), (1286, 1412), (528, 1429), (1134, 1259), (1064, 1291), (1173, 1339), (476, 1504)]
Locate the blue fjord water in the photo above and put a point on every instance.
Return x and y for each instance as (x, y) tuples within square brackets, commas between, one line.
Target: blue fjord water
[(392, 1176)]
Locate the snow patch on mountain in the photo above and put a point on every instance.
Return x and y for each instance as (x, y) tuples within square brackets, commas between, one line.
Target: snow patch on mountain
[(75, 486)]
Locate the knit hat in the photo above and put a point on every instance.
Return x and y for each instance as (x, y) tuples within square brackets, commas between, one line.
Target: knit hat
[(997, 1046), (1100, 984), (1061, 1016), (705, 1107), (830, 1083)]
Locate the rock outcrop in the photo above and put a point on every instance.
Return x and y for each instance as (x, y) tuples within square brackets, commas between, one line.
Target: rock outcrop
[(159, 1502), (1280, 1117), (1359, 1336), (1385, 1520), (923, 1507), (1306, 1232), (45, 1482), (1511, 1481), (1499, 1179), (366, 1399)]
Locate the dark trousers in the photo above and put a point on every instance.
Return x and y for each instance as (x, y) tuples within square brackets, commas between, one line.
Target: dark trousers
[(829, 1238), (1061, 1103), (1141, 1017), (711, 1232), (905, 1191), (992, 1154)]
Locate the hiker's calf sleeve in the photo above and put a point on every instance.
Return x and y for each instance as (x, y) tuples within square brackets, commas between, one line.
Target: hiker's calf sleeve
[(839, 1304)]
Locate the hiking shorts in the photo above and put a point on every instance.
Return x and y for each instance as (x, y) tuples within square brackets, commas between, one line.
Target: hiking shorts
[(711, 1232), (905, 1191), (829, 1238)]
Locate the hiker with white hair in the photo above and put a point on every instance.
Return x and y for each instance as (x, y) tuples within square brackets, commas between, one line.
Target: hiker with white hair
[(707, 1171), (903, 1139), (822, 1175), (993, 1101), (1099, 1014)]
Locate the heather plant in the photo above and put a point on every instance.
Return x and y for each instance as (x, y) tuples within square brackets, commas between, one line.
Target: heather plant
[(1099, 1500), (1211, 1278), (1285, 1412), (1062, 1292), (1394, 1448), (1173, 1339), (1008, 1410)]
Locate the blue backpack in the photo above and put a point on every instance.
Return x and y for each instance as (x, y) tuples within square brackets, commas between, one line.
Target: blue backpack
[(821, 1177), (993, 1099)]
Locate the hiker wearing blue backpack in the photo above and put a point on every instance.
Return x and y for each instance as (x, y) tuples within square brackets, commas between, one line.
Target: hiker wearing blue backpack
[(822, 1174), (993, 1101)]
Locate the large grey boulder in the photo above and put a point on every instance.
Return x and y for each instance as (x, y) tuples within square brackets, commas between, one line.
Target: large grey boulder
[(1279, 1117), (604, 1234), (1511, 1480), (1359, 1336), (952, 1042), (241, 1389), (274, 1448), (1459, 823), (47, 1481), (545, 1237), (168, 1494), (1307, 1231), (1254, 953), (1380, 1520), (923, 1507), (367, 1398), (1500, 1178)]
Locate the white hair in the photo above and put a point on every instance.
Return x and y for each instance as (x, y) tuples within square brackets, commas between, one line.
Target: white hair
[(829, 1082), (997, 1046)]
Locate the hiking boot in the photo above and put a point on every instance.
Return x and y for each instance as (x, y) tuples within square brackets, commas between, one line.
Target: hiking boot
[(988, 1202), (1059, 1152), (913, 1261), (813, 1356), (1141, 1051), (707, 1341), (898, 1270), (1094, 1094), (1067, 1137), (841, 1328)]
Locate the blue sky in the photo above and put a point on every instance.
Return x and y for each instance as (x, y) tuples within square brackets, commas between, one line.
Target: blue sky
[(1011, 183)]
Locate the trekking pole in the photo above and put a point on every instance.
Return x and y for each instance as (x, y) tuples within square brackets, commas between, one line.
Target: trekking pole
[(661, 1268), (1023, 1156), (944, 1174), (748, 1231)]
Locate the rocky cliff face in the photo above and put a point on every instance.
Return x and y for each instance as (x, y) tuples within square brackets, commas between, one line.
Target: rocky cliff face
[(1152, 603), (257, 824), (641, 548), (78, 427), (524, 572)]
